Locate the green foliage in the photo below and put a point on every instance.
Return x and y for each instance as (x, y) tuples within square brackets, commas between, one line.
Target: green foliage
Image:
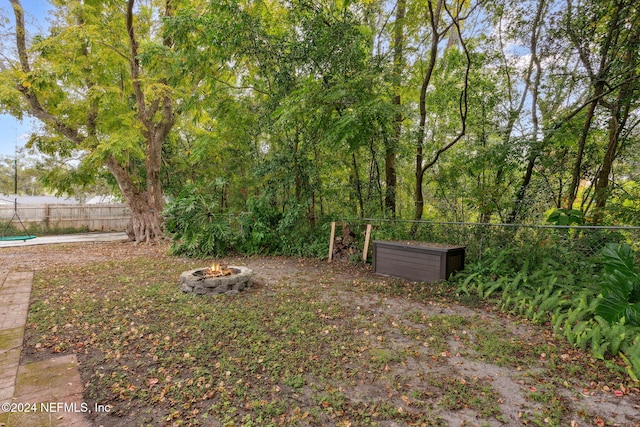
[(259, 228), (200, 229), (310, 101), (534, 293), (625, 204), (620, 286), (565, 292), (266, 230), (29, 174), (196, 225), (566, 217)]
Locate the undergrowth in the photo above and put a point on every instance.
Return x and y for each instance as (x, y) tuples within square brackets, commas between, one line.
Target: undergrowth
[(577, 297), (199, 229)]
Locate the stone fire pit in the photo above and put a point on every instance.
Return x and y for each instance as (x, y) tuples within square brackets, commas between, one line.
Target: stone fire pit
[(230, 280)]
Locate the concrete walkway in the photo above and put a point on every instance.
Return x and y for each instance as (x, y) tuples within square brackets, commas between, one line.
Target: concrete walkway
[(45, 393), (67, 238)]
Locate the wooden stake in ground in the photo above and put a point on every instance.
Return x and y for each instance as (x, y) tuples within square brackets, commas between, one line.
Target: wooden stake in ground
[(331, 239), (367, 236)]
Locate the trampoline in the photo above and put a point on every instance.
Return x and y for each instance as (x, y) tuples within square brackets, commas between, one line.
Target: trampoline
[(26, 236)]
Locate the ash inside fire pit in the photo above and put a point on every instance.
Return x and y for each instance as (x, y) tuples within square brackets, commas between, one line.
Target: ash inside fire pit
[(216, 280)]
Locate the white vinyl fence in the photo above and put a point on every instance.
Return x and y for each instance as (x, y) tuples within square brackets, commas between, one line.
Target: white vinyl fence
[(98, 217)]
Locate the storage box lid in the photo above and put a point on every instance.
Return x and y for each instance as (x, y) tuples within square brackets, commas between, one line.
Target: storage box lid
[(443, 247)]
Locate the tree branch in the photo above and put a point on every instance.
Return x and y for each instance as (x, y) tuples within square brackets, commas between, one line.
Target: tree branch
[(35, 108), (134, 64), (21, 36), (463, 104)]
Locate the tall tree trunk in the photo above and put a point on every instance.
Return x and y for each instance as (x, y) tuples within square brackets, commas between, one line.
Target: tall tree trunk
[(526, 180), (572, 192), (620, 112), (374, 185), (598, 75), (601, 186), (534, 87), (146, 226), (434, 19), (391, 148), (421, 167)]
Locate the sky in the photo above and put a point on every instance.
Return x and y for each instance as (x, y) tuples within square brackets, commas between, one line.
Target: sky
[(15, 133)]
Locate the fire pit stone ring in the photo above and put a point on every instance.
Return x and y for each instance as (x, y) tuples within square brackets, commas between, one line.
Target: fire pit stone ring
[(198, 282)]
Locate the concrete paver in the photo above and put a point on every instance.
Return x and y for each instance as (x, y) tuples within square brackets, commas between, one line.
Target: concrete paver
[(45, 393), (52, 389), (14, 300)]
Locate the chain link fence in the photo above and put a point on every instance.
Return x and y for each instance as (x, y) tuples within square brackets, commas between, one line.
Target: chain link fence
[(481, 239)]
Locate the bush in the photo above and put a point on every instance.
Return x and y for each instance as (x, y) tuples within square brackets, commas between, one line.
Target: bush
[(266, 230), (197, 228)]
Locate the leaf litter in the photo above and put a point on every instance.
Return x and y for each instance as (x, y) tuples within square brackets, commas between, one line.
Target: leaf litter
[(311, 343)]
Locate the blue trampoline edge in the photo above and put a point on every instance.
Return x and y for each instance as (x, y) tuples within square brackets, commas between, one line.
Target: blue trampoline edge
[(15, 238)]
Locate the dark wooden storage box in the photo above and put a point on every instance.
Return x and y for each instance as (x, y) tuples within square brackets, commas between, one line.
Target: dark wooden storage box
[(419, 261)]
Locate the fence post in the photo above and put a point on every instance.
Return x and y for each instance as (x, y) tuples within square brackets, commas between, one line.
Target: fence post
[(333, 235), (367, 236)]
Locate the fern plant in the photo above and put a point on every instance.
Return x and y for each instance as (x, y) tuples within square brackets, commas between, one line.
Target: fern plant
[(620, 286), (597, 315)]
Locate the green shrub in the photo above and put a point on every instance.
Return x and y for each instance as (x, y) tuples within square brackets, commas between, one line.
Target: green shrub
[(196, 226), (198, 229), (620, 286), (566, 217), (269, 231)]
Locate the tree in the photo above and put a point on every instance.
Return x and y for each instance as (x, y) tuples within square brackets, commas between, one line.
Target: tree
[(366, 108), (626, 75), (315, 95), (393, 142), (531, 81), (439, 28), (606, 39), (99, 91)]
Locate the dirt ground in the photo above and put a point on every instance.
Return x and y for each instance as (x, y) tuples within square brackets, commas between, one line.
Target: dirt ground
[(589, 404)]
